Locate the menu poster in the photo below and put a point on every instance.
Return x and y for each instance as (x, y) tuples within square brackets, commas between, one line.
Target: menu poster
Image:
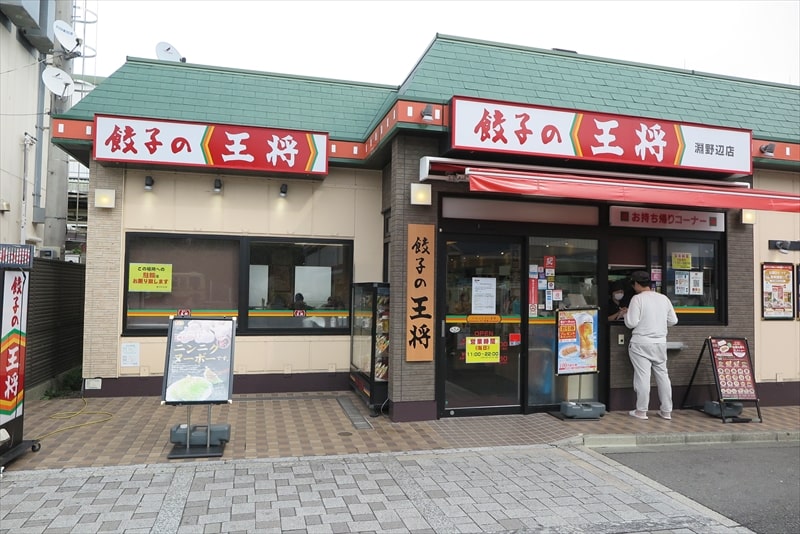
[(777, 291), (681, 282), (199, 363), (733, 369), (576, 339)]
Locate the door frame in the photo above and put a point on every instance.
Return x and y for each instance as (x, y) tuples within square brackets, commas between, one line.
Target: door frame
[(441, 328)]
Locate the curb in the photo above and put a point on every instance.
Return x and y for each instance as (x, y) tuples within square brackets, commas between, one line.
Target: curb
[(685, 438)]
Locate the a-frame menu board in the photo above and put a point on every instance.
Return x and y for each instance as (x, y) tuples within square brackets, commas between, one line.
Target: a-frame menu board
[(733, 373)]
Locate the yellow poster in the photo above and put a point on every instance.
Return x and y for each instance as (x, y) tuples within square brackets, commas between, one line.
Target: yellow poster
[(150, 277), (682, 261), (483, 349)]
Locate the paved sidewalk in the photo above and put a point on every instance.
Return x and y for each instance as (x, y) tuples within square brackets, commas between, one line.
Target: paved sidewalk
[(539, 488), (135, 430), (317, 462)]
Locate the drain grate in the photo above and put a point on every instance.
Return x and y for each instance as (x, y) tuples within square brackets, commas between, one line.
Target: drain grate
[(353, 414)]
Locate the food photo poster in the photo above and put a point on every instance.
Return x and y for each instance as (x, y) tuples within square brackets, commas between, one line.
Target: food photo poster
[(777, 291), (199, 361)]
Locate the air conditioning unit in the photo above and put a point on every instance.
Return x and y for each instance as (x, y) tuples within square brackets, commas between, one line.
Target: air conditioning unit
[(50, 253)]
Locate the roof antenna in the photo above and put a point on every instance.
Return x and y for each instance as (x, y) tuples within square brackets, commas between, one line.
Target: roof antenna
[(167, 52), (66, 37)]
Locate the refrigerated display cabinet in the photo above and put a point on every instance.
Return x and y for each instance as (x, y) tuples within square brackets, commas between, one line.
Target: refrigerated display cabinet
[(369, 354)]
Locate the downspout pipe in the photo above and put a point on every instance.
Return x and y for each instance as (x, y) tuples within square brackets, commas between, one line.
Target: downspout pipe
[(27, 141), (37, 170)]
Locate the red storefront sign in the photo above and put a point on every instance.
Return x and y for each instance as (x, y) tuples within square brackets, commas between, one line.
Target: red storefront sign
[(534, 130), (13, 342), (219, 146)]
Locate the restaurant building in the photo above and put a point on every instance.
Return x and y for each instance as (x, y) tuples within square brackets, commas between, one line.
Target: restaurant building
[(500, 191)]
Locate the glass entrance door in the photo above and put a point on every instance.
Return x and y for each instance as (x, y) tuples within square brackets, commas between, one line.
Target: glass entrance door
[(562, 273), (481, 366)]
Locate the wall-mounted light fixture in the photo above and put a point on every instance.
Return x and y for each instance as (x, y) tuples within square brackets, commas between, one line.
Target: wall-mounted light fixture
[(748, 216), (217, 185), (420, 194), (105, 198), (5, 205), (427, 113), (284, 190), (783, 246), (768, 150), (148, 183)]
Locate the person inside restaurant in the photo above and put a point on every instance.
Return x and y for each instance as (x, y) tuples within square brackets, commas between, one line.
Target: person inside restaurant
[(618, 301)]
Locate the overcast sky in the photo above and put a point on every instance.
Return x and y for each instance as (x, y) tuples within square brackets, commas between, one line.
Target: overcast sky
[(380, 41)]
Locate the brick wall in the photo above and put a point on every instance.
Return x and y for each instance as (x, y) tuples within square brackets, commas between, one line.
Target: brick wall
[(411, 381), (103, 275), (741, 285)]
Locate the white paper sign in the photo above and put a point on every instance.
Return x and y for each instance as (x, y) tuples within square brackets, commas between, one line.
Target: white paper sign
[(483, 295), (681, 282), (696, 283), (130, 355)]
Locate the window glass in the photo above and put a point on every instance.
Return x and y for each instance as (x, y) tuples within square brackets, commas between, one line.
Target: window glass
[(299, 285), (691, 277), (170, 273), (287, 285), (561, 274)]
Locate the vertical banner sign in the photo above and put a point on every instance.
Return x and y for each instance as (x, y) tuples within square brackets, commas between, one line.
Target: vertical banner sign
[(777, 291), (419, 293), (533, 293), (14, 341), (577, 341)]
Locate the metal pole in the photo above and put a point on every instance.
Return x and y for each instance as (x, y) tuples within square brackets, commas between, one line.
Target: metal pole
[(208, 429), (188, 425), (27, 142)]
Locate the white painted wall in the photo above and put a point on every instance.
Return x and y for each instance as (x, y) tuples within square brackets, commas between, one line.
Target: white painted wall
[(777, 343)]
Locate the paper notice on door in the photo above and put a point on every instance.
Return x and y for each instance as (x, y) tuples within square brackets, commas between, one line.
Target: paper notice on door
[(484, 291)]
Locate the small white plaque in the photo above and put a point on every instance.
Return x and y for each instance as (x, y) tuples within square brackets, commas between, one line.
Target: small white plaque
[(130, 355)]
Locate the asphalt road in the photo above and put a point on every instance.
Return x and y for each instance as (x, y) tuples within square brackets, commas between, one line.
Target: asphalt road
[(755, 484)]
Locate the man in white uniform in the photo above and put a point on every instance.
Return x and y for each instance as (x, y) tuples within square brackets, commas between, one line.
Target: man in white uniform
[(649, 314)]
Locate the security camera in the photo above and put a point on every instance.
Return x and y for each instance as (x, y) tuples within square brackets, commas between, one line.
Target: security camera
[(783, 246)]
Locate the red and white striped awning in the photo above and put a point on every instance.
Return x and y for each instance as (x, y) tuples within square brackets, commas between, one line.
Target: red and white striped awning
[(627, 190)]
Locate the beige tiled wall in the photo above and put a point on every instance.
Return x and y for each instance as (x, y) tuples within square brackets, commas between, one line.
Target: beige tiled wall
[(346, 204)]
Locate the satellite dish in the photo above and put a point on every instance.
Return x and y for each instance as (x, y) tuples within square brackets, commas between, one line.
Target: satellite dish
[(65, 35), (167, 52), (59, 82)]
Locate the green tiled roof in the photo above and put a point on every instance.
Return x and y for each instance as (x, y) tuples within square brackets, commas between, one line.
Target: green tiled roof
[(169, 90), (450, 66), (466, 67)]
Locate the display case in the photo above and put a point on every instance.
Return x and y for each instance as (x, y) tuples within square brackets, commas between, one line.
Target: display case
[(369, 350)]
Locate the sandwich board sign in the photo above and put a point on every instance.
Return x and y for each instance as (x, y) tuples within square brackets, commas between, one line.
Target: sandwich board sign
[(732, 371)]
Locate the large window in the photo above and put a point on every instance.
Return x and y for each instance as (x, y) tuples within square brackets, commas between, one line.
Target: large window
[(165, 274), (691, 279), (299, 285), (685, 270), (274, 286)]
